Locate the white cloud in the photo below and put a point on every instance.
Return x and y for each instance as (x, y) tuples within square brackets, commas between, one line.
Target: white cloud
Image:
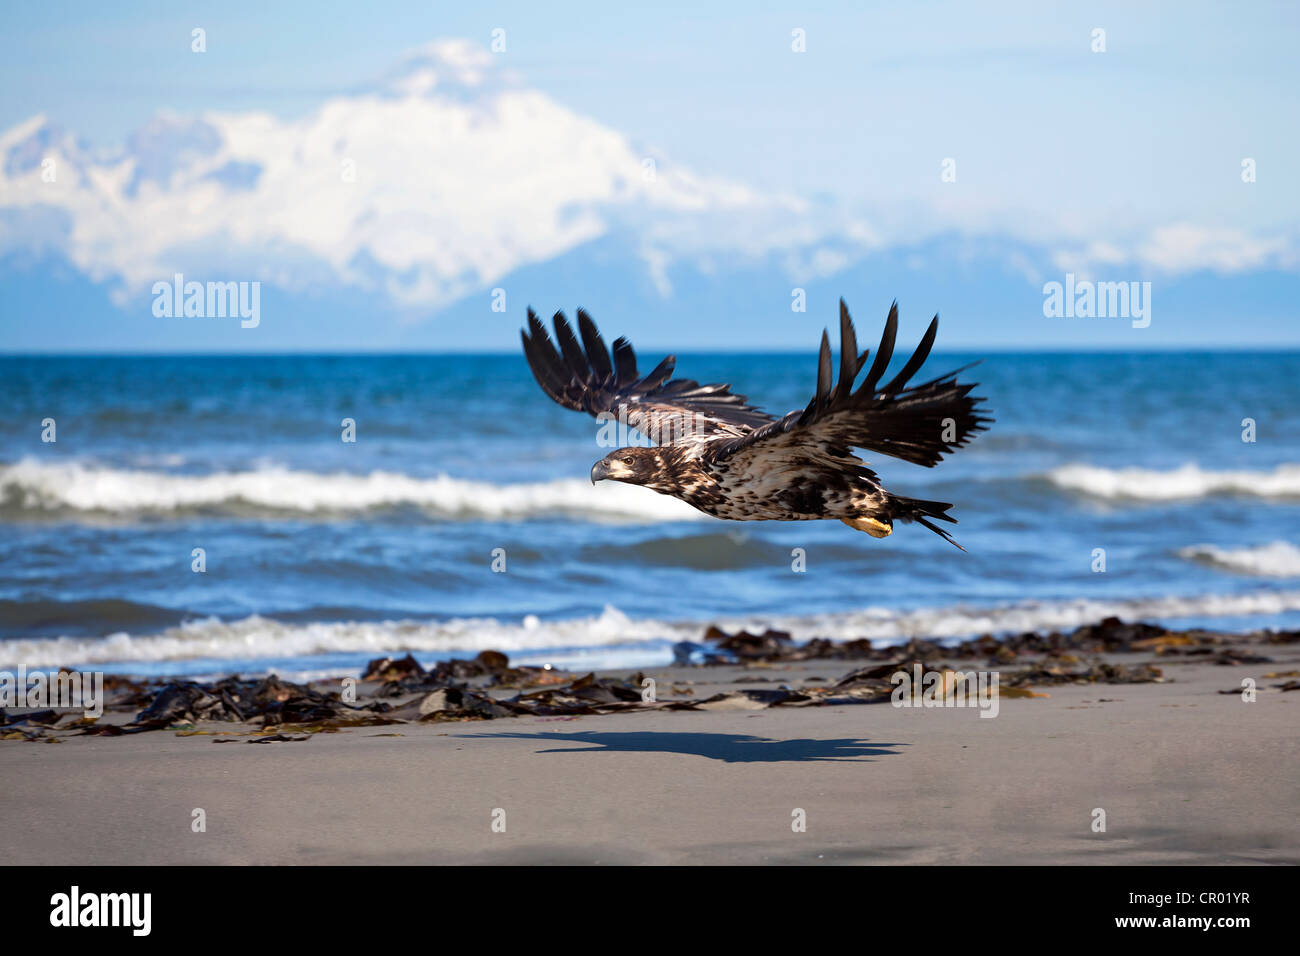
[(444, 180), (450, 174), (1183, 248)]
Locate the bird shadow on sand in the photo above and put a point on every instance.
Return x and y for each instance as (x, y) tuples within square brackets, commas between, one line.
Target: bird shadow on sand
[(730, 748)]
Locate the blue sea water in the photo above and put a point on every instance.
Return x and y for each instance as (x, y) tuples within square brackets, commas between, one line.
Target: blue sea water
[(321, 553)]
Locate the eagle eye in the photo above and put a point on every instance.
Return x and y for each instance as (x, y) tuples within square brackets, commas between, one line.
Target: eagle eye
[(628, 460)]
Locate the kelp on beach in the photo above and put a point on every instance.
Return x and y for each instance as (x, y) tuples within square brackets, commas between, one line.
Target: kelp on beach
[(396, 691)]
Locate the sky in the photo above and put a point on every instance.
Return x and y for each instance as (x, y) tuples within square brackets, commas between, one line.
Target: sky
[(962, 156)]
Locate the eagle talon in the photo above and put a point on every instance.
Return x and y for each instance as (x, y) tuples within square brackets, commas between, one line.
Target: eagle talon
[(877, 529)]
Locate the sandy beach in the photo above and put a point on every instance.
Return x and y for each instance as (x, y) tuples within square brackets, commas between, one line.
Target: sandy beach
[(1184, 772)]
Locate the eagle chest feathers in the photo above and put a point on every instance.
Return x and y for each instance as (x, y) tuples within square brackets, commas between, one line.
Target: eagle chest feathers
[(780, 490), (739, 490), (684, 474)]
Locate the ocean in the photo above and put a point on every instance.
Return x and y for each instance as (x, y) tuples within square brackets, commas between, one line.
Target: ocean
[(462, 518)]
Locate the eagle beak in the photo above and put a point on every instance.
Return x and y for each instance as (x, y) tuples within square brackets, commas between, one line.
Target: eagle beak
[(599, 471)]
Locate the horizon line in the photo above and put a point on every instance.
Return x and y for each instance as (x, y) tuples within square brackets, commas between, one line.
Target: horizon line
[(1159, 349)]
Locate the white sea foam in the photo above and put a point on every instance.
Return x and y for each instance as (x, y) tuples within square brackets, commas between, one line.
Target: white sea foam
[(1279, 559), (53, 488), (38, 487), (1189, 481), (255, 637)]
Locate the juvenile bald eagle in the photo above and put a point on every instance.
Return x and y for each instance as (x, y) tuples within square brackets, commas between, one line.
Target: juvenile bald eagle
[(731, 460)]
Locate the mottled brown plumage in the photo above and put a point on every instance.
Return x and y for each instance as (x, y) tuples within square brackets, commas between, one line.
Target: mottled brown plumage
[(731, 460)]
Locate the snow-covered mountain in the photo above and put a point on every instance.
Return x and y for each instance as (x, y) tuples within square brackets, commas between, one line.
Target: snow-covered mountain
[(419, 194), (444, 178)]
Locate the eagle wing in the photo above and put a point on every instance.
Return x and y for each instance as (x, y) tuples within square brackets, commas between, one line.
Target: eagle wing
[(917, 423), (586, 377)]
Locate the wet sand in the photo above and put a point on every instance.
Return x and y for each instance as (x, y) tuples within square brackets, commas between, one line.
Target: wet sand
[(1184, 774)]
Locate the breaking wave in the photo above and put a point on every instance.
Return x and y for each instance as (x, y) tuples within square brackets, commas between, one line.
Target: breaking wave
[(1189, 481), (1280, 559), (36, 489), (253, 638)]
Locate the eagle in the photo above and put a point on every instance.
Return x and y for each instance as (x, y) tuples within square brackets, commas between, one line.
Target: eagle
[(723, 456)]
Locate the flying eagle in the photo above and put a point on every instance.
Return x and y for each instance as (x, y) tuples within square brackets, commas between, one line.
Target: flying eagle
[(728, 459)]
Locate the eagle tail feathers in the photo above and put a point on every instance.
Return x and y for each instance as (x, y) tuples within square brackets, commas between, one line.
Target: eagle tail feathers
[(920, 511)]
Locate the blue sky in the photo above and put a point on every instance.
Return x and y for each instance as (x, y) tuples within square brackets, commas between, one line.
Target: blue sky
[(1123, 164)]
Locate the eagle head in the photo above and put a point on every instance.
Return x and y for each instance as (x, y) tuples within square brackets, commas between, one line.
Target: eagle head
[(635, 466)]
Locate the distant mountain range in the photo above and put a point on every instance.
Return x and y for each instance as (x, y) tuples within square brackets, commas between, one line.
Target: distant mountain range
[(387, 218)]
